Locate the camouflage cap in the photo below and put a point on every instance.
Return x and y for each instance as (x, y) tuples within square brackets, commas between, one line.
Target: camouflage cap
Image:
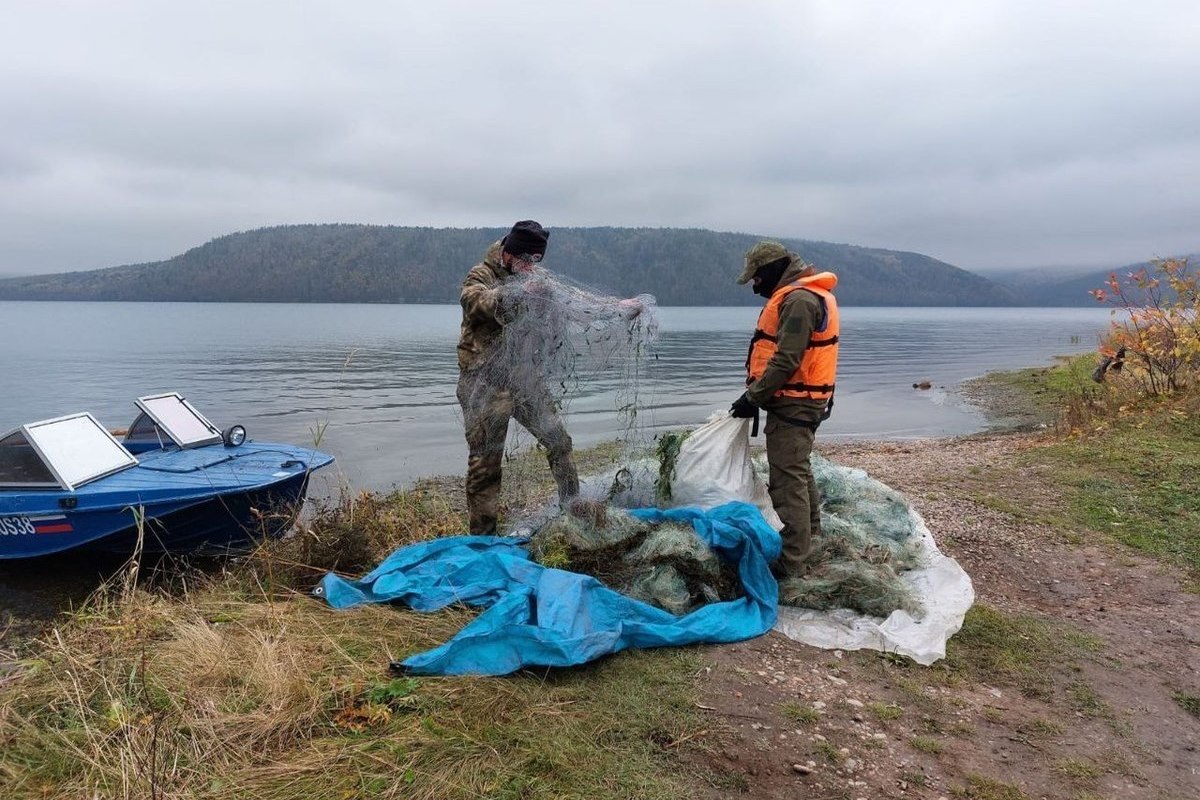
[(760, 255)]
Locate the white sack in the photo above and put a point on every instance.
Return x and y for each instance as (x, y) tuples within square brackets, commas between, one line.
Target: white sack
[(714, 467)]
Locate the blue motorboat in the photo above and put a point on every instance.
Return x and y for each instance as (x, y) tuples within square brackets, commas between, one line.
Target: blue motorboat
[(175, 483)]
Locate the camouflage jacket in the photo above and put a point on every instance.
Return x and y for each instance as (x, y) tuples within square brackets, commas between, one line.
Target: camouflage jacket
[(481, 326)]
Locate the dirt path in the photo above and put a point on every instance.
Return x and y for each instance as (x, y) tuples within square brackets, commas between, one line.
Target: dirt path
[(1067, 685)]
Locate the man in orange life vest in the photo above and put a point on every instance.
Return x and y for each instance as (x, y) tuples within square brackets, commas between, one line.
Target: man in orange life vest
[(790, 374)]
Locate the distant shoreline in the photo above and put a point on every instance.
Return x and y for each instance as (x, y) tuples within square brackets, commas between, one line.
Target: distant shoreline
[(454, 303)]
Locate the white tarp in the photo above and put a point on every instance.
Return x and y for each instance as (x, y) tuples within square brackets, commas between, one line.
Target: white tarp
[(714, 466), (943, 588)]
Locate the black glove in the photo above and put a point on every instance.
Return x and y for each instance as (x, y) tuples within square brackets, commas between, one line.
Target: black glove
[(743, 408)]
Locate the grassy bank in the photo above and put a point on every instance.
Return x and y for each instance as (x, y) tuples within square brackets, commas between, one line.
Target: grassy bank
[(1128, 466), (220, 694), (239, 684)]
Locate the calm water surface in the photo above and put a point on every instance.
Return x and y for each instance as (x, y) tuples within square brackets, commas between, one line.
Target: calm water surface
[(378, 380), (378, 383)]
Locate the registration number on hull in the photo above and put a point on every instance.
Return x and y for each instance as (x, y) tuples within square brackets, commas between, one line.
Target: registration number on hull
[(31, 526)]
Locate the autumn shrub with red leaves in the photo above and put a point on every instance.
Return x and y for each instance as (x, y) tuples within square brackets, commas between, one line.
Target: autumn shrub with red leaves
[(1156, 319)]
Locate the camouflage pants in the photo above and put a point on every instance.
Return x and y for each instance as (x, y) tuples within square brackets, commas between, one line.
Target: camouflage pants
[(486, 411), (793, 490)]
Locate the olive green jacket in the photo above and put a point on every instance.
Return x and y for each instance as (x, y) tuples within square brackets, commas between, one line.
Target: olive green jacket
[(799, 315)]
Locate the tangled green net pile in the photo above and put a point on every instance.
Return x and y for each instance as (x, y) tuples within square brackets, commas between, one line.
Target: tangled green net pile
[(868, 537), (667, 565)]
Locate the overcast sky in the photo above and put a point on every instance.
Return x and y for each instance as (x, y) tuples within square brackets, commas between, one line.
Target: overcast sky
[(987, 134)]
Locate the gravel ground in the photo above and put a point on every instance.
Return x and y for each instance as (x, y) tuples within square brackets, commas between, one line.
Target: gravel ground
[(797, 721)]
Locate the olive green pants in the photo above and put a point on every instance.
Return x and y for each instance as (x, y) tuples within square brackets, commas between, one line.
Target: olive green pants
[(793, 490), (487, 408)]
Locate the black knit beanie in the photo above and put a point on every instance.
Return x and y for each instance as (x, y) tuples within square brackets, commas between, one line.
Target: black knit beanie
[(526, 238)]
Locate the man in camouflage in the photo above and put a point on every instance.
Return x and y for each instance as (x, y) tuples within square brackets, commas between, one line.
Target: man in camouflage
[(803, 331), (484, 391)]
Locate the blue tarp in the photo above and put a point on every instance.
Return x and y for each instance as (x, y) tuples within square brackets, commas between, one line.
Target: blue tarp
[(542, 617)]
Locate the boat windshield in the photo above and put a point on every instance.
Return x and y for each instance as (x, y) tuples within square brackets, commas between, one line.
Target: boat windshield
[(65, 453), (175, 417), (20, 464)]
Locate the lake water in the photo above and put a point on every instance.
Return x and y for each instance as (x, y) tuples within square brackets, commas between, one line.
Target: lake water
[(379, 380)]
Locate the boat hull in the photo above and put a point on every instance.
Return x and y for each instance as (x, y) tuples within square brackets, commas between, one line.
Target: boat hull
[(209, 526), (213, 526), (180, 502)]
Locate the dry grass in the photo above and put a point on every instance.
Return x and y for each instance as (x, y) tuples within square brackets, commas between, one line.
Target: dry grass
[(241, 685), (353, 533)]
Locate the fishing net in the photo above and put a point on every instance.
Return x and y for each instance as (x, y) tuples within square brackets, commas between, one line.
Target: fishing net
[(666, 565), (558, 342), (667, 450), (562, 340), (868, 537), (868, 540)]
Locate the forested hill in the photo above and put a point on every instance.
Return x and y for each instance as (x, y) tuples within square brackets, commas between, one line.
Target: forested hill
[(387, 264), (1076, 290)]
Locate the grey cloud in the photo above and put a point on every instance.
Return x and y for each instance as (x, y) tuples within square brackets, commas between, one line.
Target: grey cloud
[(988, 134)]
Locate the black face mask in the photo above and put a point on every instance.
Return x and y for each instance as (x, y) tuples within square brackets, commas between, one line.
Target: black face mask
[(768, 276)]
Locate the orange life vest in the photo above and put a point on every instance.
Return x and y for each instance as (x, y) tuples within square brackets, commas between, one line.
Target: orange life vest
[(814, 377)]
